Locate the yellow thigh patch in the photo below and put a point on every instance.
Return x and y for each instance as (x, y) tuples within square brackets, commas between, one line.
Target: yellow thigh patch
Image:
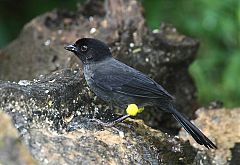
[(133, 109)]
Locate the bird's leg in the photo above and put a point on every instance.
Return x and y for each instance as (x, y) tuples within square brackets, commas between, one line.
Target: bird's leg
[(116, 121), (112, 123), (132, 110), (120, 119)]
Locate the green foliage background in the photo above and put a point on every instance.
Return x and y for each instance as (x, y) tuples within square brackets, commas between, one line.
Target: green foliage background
[(215, 23)]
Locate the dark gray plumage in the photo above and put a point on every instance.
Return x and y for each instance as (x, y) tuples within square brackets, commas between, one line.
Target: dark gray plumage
[(121, 85)]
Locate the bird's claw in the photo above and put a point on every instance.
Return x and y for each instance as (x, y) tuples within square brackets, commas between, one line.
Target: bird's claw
[(105, 124)]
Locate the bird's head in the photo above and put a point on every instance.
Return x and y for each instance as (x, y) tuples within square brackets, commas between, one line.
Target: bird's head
[(89, 50)]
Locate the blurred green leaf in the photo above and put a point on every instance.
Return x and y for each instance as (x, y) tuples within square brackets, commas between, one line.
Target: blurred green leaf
[(216, 23)]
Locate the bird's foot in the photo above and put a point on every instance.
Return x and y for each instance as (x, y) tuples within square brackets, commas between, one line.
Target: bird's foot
[(112, 123), (105, 124)]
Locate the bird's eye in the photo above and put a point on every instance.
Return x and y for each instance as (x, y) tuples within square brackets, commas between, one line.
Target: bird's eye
[(84, 48)]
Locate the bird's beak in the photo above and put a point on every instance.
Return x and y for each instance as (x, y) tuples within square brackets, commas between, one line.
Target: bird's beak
[(71, 47)]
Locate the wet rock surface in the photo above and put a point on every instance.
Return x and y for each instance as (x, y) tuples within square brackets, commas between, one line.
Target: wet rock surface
[(12, 151), (164, 54), (57, 129), (223, 127)]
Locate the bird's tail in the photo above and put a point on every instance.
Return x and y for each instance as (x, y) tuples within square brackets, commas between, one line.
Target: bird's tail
[(198, 136)]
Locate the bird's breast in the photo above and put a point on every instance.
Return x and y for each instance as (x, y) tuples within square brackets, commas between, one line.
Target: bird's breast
[(88, 74)]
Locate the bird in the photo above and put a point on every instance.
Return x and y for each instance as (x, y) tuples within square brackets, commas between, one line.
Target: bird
[(123, 86)]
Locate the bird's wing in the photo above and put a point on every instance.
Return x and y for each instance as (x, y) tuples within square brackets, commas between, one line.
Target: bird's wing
[(123, 79)]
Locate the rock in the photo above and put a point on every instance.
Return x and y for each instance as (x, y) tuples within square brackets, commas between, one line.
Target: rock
[(12, 151), (59, 95), (163, 53), (223, 127), (235, 152), (52, 115)]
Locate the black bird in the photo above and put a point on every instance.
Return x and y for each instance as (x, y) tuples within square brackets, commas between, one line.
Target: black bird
[(121, 85)]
